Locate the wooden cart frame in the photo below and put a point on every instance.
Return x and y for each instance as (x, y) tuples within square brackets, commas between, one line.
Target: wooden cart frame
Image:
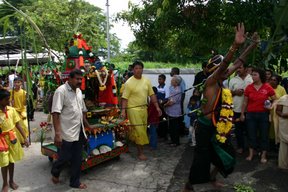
[(50, 150)]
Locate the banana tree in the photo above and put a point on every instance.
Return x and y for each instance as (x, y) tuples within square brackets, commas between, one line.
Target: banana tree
[(275, 50)]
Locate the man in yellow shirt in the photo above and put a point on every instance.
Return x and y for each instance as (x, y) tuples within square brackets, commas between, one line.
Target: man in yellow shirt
[(18, 101), (137, 89)]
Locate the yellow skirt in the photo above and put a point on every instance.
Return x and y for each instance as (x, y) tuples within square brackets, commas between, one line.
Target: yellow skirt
[(14, 153), (138, 125)]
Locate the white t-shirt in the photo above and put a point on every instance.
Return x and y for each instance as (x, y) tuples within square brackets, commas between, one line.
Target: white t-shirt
[(238, 83), (163, 90)]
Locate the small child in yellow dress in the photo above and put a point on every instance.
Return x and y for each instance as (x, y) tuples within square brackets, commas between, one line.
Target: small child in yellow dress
[(10, 149)]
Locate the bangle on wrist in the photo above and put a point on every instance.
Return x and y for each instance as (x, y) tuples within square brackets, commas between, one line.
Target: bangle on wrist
[(233, 49)]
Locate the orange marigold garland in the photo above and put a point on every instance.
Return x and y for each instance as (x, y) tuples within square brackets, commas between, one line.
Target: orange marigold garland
[(224, 123)]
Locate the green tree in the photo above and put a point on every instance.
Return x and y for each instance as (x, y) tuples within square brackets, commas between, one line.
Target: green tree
[(186, 30), (58, 21), (275, 49)]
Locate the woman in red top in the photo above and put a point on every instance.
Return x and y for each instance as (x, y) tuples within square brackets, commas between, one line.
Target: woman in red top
[(257, 106)]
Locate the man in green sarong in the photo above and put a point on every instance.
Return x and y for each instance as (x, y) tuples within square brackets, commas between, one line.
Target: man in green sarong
[(207, 151)]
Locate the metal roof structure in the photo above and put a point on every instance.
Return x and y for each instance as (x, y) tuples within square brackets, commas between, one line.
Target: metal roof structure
[(10, 53)]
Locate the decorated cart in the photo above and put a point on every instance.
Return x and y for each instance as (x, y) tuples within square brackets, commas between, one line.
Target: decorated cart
[(107, 140)]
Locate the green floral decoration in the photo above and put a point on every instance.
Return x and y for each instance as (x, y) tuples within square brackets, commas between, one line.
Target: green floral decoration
[(71, 64)]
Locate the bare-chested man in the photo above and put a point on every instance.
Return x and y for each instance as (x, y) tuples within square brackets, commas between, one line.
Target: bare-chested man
[(204, 153)]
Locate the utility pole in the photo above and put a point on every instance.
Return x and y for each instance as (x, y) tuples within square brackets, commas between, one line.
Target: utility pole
[(108, 33)]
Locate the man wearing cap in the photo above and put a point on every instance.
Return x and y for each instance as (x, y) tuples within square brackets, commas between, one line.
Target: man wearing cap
[(205, 151)]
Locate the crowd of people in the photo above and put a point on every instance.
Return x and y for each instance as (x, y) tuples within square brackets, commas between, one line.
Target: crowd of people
[(8, 81), (259, 114)]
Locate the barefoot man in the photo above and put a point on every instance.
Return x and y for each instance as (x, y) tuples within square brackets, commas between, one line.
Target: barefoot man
[(69, 118), (137, 89), (205, 151)]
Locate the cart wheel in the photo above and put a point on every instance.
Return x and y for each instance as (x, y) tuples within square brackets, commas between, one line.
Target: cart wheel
[(117, 157), (50, 159)]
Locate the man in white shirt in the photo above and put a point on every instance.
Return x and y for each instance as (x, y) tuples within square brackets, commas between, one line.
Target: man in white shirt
[(237, 86), (69, 118)]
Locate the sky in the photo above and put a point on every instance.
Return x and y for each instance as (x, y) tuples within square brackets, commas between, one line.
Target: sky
[(121, 29)]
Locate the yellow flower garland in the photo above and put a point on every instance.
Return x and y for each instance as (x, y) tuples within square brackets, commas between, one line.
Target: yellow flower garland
[(224, 123)]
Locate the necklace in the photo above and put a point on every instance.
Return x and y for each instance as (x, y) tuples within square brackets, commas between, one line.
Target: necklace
[(102, 86)]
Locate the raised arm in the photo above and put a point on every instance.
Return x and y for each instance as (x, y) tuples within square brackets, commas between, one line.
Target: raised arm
[(242, 58), (239, 39)]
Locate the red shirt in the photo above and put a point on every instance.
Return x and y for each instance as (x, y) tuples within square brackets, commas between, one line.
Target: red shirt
[(256, 98), (153, 117)]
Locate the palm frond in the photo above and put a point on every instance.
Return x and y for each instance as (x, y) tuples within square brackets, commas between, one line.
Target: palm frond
[(33, 24)]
